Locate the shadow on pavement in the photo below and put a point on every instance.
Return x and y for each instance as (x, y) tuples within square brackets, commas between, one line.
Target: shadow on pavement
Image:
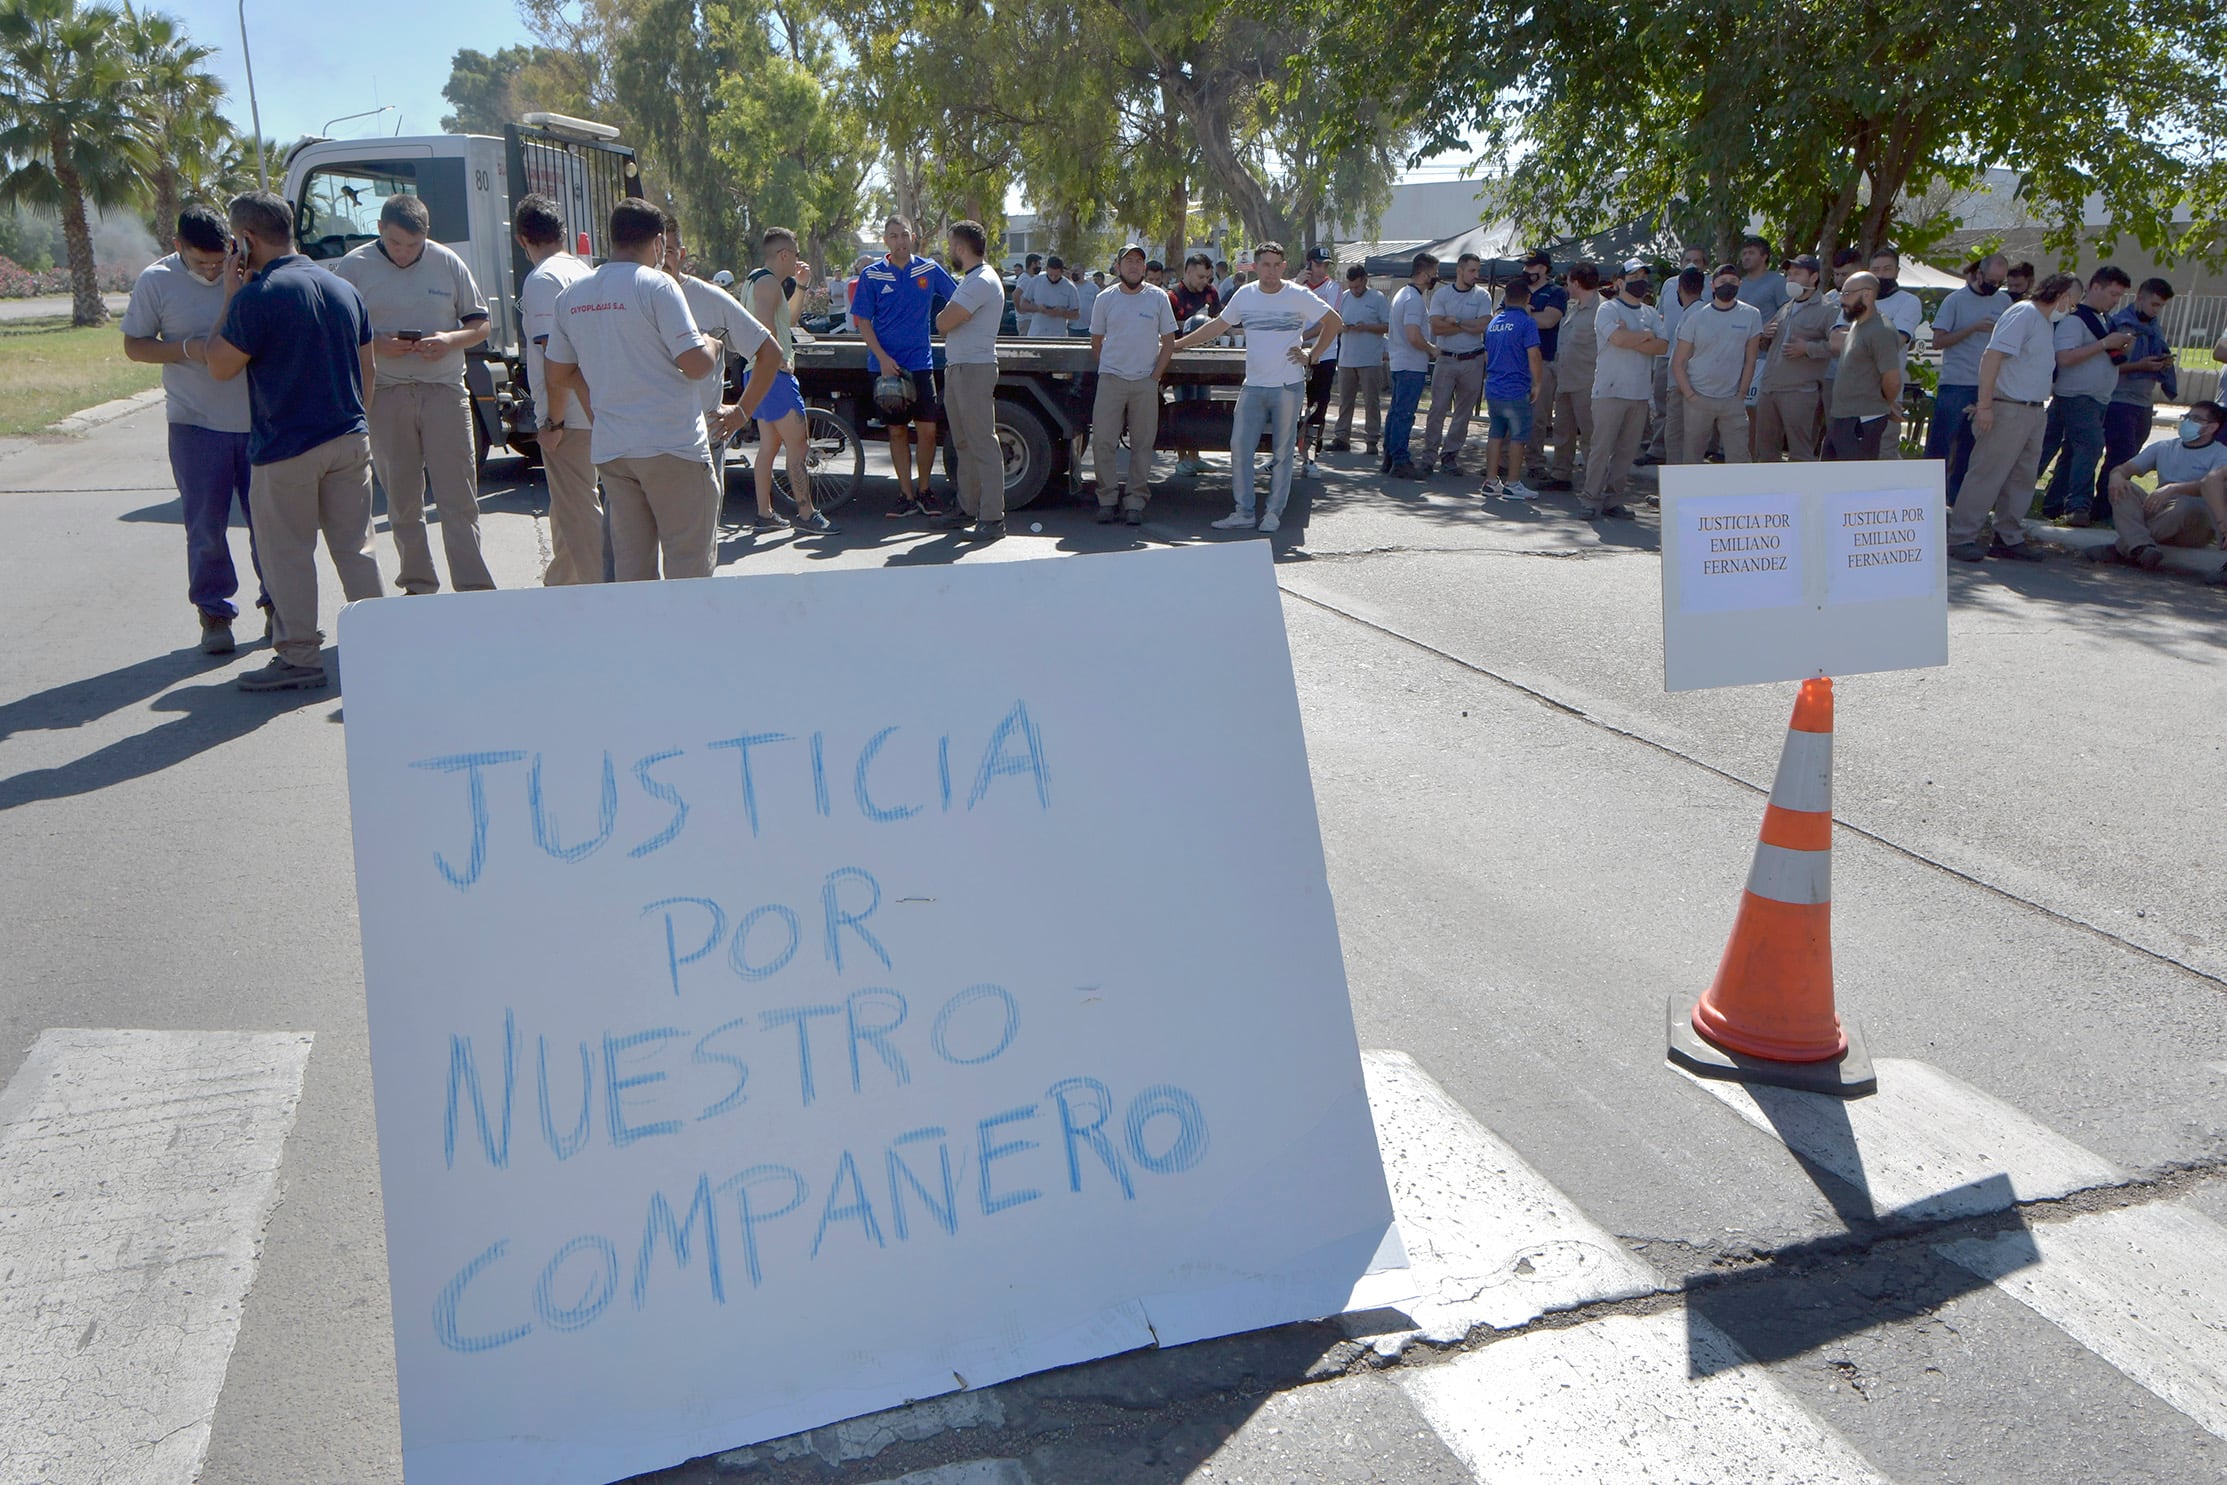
[(75, 703), (209, 716)]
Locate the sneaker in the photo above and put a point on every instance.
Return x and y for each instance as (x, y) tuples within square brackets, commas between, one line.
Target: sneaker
[(1339, 446), (216, 635), (1968, 551), (815, 524), (766, 520), (1134, 515), (1491, 489), (988, 530), (1558, 485), (2080, 520), (2148, 558), (1518, 490), (1372, 448), (1269, 525), (2023, 551), (1448, 461), (908, 506), (1404, 471), (1236, 520), (1611, 513), (1190, 467), (1108, 514), (281, 676)]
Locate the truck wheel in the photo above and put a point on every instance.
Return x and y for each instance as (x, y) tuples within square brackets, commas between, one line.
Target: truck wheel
[(1027, 448), (834, 455)]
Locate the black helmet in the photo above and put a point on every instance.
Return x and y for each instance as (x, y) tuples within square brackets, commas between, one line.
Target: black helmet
[(893, 394)]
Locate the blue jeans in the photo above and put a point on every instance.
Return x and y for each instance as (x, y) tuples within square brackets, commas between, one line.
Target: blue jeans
[(2074, 434), (2126, 427), (1950, 436), (1399, 420), (210, 469), (1277, 409)]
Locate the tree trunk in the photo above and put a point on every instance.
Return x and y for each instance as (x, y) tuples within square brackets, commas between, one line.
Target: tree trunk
[(166, 201), (1264, 218), (77, 237), (1179, 222)]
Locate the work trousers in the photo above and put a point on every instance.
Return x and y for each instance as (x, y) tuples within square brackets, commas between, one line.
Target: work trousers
[(2073, 434), (210, 469), (1573, 430), (2148, 519), (1999, 484), (1857, 439), (1544, 400), (970, 408), (660, 505), (421, 435), (1277, 409), (1619, 426), (575, 514), (1131, 404), (1364, 382), (326, 489), (1455, 386), (1725, 417), (1949, 436), (2126, 427), (1399, 418), (717, 443), (1664, 438), (1786, 424)]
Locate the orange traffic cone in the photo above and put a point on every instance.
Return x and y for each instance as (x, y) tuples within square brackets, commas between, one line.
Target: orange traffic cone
[(1768, 1016)]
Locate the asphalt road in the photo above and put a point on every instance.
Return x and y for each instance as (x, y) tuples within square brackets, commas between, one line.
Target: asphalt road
[(1530, 846)]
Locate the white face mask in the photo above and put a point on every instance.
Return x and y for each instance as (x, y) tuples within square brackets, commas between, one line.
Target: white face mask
[(2057, 314), (2193, 431), (1798, 291)]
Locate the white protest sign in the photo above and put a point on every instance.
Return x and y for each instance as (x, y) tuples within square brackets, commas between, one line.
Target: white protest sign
[(1778, 572), (794, 995)]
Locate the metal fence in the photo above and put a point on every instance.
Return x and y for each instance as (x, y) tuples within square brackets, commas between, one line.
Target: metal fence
[(2194, 322)]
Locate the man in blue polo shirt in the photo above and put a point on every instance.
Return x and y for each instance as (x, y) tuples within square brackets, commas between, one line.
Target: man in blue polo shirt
[(304, 340), (1513, 368), (894, 308)]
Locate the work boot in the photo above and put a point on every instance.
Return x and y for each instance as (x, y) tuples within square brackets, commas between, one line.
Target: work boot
[(2148, 558), (2020, 551), (1968, 551), (279, 675), (1108, 514), (216, 635)]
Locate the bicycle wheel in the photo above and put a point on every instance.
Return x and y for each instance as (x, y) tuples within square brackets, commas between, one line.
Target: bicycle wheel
[(834, 456)]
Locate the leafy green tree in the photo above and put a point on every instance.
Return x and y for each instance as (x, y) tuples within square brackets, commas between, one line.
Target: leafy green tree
[(484, 89), (69, 136), (176, 104)]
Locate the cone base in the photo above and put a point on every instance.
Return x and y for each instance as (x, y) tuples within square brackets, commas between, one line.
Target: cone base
[(1846, 1076)]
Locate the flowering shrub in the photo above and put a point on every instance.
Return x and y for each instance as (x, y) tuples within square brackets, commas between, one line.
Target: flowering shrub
[(18, 282)]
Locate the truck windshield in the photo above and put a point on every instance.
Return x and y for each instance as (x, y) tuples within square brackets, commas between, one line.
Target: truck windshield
[(339, 206)]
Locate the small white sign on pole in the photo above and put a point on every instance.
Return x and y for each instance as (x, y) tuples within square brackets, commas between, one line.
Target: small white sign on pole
[(1775, 572), (794, 995)]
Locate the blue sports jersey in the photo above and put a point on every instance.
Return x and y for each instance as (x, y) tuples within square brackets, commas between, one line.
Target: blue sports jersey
[(900, 303), (1508, 342)]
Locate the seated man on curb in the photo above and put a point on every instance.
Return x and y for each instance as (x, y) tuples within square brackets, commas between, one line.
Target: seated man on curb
[(2189, 505)]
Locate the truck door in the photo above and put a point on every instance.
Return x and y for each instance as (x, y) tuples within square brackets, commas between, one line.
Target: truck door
[(585, 177)]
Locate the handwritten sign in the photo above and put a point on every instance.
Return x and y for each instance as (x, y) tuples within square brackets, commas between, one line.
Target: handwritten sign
[(1784, 571), (794, 995)]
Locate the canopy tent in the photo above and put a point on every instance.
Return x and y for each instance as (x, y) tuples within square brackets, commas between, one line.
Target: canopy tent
[(1496, 242), (1503, 248), (1914, 275)]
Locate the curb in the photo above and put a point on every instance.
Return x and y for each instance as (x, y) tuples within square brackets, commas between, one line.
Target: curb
[(2201, 561), (106, 412)]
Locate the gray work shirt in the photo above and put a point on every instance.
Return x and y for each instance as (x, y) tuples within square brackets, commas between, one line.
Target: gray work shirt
[(1766, 292), (1960, 363), (721, 316), (982, 294), (1473, 309), (1048, 295), (2095, 377), (170, 302), (435, 294), (1719, 338), (1132, 325), (2024, 337)]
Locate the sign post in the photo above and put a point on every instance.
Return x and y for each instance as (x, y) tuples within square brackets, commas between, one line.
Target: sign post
[(795, 995)]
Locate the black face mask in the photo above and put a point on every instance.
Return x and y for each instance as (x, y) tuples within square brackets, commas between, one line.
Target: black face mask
[(1887, 286), (1726, 293), (1985, 289), (1636, 287)]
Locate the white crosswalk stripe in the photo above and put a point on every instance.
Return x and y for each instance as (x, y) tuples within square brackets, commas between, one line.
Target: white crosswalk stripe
[(137, 1169)]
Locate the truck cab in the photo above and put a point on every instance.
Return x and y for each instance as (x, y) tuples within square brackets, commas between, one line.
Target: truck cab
[(468, 181)]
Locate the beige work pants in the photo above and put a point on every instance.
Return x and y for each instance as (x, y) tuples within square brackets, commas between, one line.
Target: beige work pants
[(421, 435), (1366, 383), (1134, 404), (327, 489), (1786, 424), (970, 408), (575, 515), (661, 505), (1999, 482), (1726, 417)]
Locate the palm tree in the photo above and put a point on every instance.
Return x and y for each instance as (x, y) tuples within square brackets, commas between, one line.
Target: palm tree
[(177, 104), (69, 139)]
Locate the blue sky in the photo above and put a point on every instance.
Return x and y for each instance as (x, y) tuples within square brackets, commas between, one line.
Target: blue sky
[(313, 62)]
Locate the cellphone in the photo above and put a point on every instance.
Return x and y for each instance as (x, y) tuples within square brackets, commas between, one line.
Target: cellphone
[(237, 247), (409, 335)]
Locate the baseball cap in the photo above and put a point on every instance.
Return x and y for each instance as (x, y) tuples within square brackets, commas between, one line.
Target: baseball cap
[(1635, 265), (1131, 247), (1318, 255), (1809, 261)]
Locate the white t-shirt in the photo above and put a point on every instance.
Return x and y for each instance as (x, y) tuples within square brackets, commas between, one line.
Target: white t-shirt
[(623, 325), (434, 295), (1273, 325), (721, 316), (1089, 293), (1132, 325), (1365, 308), (1049, 295), (1473, 308), (170, 302), (1904, 311), (537, 313), (981, 293), (2030, 351), (2175, 463), (1024, 297), (1409, 307), (1621, 373)]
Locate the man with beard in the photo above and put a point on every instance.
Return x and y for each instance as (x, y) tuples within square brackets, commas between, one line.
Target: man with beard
[(1869, 385), (1961, 327)]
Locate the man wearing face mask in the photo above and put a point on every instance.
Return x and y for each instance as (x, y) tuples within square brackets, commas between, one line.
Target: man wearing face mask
[(1459, 313), (1550, 305), (1869, 386), (1900, 308), (426, 312), (2007, 421), (2189, 506), (1627, 336), (2019, 282), (1690, 289), (174, 308), (1961, 327), (1712, 365), (2145, 372), (2087, 348), (1797, 349)]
